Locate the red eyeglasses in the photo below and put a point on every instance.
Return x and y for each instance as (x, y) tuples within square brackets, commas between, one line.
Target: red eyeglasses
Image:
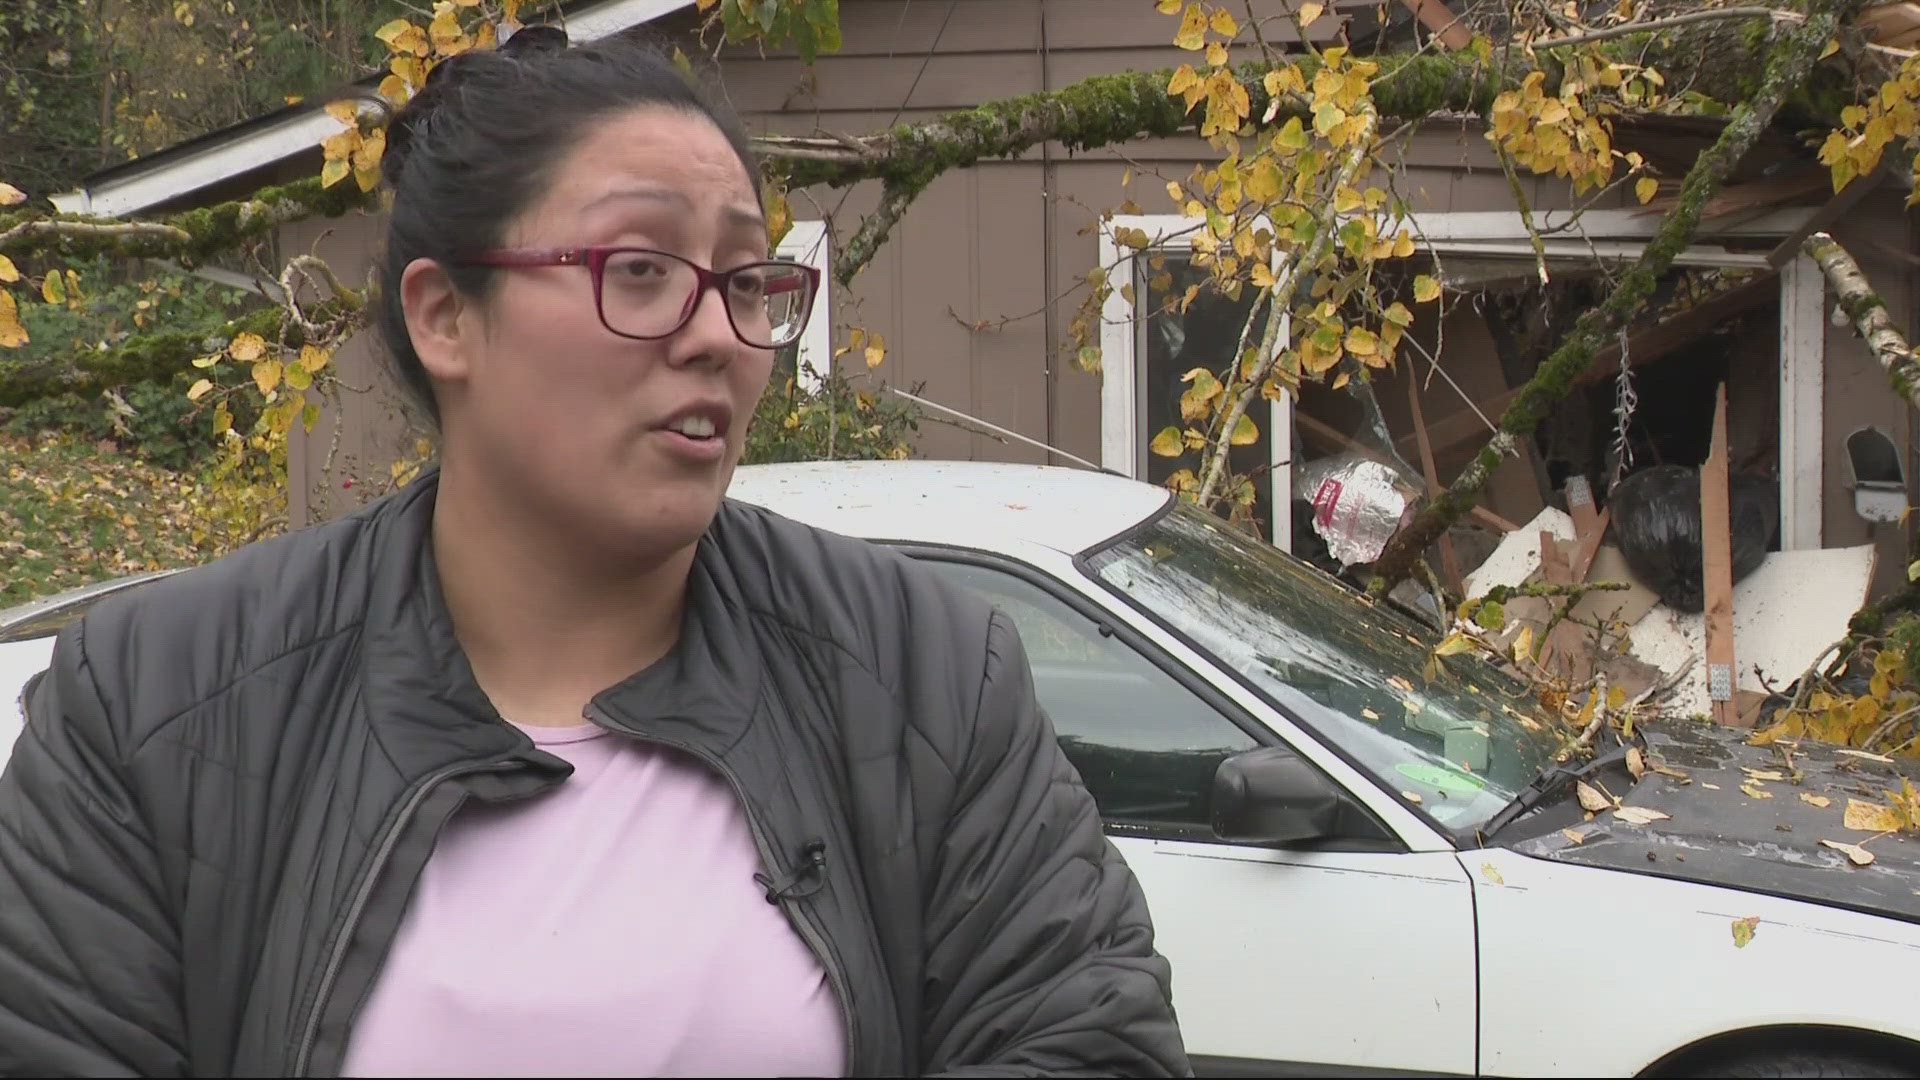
[(646, 294)]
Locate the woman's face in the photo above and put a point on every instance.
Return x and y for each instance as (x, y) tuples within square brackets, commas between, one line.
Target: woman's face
[(604, 435)]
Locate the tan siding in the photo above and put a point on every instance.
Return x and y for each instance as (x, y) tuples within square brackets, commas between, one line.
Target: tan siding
[(1857, 394), (868, 82), (372, 433), (912, 28)]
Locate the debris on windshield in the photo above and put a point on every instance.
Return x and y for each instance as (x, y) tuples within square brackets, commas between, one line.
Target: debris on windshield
[(1743, 930), (1371, 715), (1492, 873), (1590, 798), (1358, 504), (1410, 796), (1855, 854)]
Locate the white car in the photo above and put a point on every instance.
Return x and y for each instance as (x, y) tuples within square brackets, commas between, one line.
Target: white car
[(1355, 870)]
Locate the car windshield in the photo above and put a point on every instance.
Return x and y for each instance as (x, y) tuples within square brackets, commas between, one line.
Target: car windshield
[(1461, 743)]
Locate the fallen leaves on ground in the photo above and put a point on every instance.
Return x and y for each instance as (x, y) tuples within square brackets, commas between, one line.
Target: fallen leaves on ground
[(72, 513), (1743, 930)]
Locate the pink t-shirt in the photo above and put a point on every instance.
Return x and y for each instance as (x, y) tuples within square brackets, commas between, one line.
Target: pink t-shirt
[(611, 927)]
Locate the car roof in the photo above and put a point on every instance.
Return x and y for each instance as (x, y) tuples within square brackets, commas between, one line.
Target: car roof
[(967, 503)]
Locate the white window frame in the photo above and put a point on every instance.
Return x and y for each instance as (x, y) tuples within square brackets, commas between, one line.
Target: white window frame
[(1123, 388), (1604, 233), (809, 242)]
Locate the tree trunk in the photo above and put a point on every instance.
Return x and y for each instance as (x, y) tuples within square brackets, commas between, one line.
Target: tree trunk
[(1787, 68), (1868, 314)]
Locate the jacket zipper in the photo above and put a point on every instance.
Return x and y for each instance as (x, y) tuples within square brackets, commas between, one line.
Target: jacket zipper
[(357, 906), (801, 915)]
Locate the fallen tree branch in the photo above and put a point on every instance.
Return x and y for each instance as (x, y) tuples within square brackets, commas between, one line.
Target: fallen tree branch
[(1868, 314), (190, 237), (145, 358), (873, 232), (1789, 62), (1668, 23)]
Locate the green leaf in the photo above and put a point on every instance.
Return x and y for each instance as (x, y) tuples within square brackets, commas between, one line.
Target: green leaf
[(1491, 616), (1292, 135), (1425, 289), (199, 389)]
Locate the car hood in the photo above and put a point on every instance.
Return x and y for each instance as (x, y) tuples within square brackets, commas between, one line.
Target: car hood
[(1718, 834)]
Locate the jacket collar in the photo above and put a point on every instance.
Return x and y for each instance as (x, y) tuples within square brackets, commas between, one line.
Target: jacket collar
[(427, 709)]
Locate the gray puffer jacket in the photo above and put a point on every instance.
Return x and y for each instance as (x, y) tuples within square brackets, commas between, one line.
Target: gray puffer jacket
[(231, 779)]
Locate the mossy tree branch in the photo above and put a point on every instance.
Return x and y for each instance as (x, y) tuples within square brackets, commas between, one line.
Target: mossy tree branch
[(1788, 65), (1868, 314), (149, 357), (189, 237)]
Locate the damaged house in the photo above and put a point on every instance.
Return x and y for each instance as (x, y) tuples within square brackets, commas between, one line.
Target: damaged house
[(975, 293)]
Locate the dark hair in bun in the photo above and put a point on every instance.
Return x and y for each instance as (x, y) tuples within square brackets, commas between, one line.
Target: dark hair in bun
[(479, 141)]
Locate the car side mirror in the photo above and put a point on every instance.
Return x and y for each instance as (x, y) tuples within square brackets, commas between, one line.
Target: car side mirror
[(1273, 796)]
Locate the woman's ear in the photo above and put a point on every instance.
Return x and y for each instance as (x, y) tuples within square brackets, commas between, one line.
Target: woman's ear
[(432, 306)]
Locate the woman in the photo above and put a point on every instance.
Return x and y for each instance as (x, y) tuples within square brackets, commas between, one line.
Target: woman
[(554, 762)]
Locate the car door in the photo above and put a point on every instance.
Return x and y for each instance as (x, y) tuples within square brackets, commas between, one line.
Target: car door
[(1356, 956)]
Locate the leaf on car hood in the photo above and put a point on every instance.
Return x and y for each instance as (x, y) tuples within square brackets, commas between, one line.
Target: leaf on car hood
[(1762, 774), (1492, 873), (1574, 836), (1754, 790), (1864, 816), (1636, 763), (1639, 815), (1855, 854), (1817, 800), (1743, 930)]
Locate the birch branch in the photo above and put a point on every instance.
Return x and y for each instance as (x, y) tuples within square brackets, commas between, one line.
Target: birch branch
[(1868, 314)]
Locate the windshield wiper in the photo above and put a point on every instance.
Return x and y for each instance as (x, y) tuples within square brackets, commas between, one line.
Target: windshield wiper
[(1549, 783)]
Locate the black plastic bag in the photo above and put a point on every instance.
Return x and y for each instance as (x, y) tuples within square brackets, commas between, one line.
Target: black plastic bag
[(1656, 522)]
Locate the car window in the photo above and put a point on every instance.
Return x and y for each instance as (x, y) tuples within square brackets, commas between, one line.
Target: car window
[(1146, 746)]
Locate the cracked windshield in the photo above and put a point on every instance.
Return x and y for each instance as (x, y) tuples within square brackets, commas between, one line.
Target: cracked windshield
[(1460, 743)]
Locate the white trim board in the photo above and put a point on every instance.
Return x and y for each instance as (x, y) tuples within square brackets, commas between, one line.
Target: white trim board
[(139, 188), (808, 242)]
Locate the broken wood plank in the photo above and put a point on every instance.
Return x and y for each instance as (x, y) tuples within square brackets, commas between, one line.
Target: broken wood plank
[(1716, 545), (1589, 544)]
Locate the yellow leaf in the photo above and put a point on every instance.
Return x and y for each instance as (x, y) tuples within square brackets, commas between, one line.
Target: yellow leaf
[(266, 375), (10, 195), (1863, 816), (1193, 29), (1817, 800), (1832, 46), (334, 171), (1165, 7), (1453, 644), (347, 112), (247, 348), (1183, 79), (1245, 431), (1492, 874), (1743, 930), (1755, 791), (1262, 275), (1310, 13), (1346, 200), (1216, 54), (391, 32), (1223, 23), (1403, 245), (1340, 380), (1425, 289), (1590, 798), (199, 389), (12, 334), (1855, 854), (1362, 342), (313, 358), (1636, 762), (8, 272), (51, 288), (1523, 644), (1167, 443), (204, 362), (1645, 189)]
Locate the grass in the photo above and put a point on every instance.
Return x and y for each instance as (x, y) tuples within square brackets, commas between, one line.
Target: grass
[(74, 512)]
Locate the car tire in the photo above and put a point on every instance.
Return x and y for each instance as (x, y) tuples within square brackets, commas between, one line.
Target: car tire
[(1803, 1063)]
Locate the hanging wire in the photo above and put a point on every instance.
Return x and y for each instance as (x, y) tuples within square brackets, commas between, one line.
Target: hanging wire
[(1625, 399)]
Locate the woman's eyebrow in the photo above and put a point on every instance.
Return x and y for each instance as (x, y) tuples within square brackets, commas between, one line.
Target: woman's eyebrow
[(736, 213)]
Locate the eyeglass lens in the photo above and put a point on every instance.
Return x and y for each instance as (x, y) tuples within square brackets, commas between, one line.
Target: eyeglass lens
[(648, 294)]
